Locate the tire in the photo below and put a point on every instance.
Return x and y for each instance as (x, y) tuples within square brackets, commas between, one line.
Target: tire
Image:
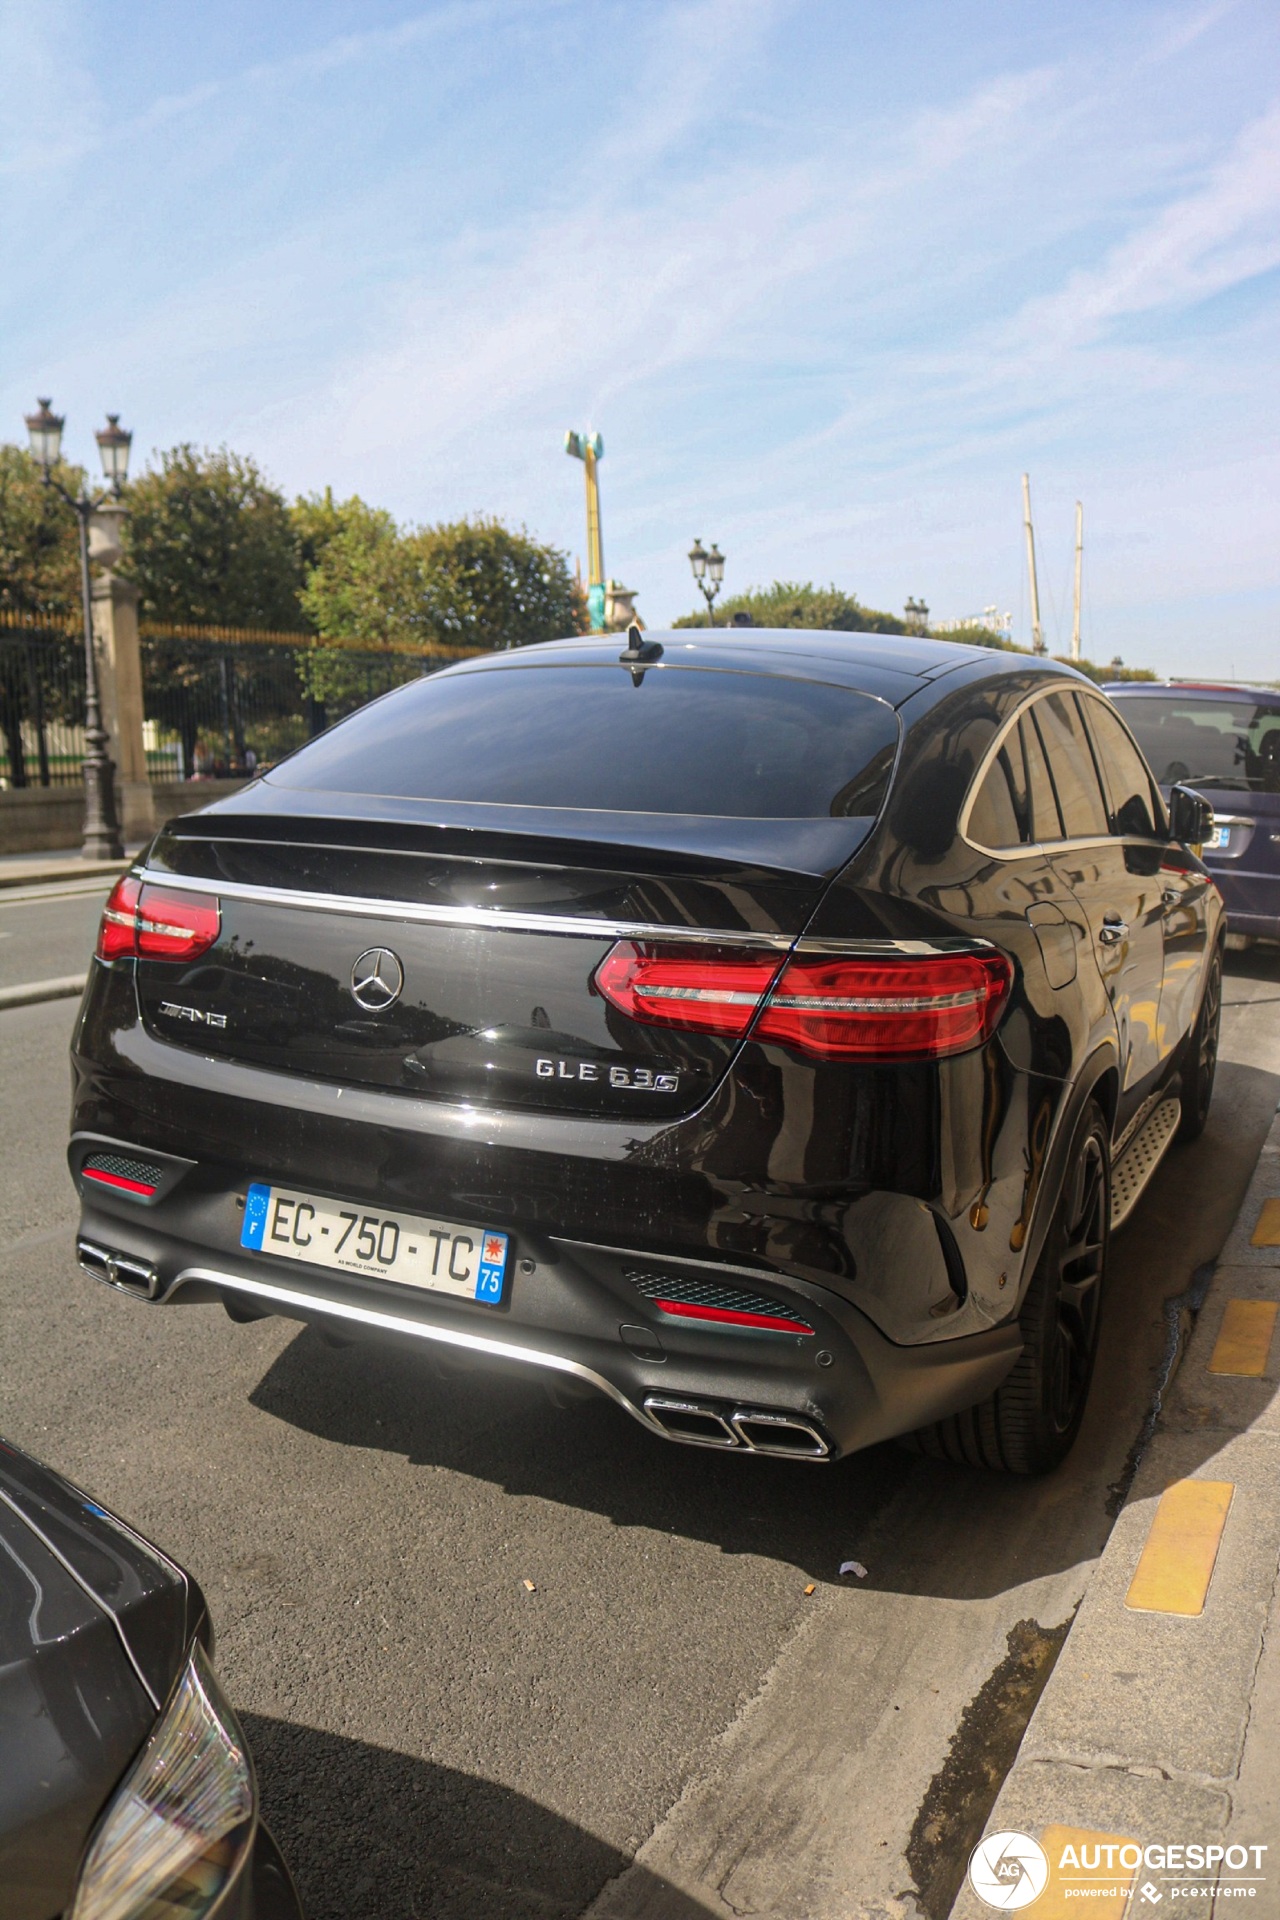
[(1029, 1424), (1202, 1056)]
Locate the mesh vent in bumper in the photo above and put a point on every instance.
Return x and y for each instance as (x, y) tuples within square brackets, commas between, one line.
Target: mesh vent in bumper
[(691, 1297)]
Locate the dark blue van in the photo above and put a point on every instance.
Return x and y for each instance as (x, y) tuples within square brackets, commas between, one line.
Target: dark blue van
[(1224, 741)]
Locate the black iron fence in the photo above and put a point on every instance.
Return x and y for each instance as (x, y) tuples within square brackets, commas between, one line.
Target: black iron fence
[(41, 708), (216, 702)]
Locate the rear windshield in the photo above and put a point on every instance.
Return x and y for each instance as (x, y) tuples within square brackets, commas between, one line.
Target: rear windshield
[(1212, 742), (683, 741)]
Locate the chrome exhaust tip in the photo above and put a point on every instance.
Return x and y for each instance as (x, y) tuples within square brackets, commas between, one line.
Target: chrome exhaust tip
[(123, 1271), (698, 1423), (690, 1421), (784, 1434)]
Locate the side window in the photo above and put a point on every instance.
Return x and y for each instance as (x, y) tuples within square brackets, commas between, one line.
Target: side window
[(1125, 773), (996, 819), (1075, 778), (1045, 821)]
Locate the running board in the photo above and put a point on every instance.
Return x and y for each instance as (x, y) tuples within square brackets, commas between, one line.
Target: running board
[(1141, 1157)]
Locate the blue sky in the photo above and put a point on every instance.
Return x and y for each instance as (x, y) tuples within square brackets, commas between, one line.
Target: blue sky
[(826, 275)]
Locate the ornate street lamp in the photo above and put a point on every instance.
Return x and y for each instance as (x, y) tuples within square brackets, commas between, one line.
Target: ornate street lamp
[(708, 571), (101, 825)]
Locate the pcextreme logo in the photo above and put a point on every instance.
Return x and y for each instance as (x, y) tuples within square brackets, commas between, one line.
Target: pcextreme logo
[(1011, 1870)]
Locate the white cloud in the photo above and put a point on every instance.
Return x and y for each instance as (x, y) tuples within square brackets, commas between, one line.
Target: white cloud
[(830, 338), (1225, 232)]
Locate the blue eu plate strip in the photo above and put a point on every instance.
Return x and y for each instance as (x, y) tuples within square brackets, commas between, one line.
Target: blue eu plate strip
[(257, 1200)]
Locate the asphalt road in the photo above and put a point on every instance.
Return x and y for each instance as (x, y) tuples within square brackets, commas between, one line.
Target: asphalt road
[(433, 1738), (48, 933)]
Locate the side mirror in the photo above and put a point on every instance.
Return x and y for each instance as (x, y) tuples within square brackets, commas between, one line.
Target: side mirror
[(1190, 817)]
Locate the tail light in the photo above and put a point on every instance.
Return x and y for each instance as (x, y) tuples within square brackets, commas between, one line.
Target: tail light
[(917, 1007), (910, 1009), (156, 923), (706, 990), (118, 933)]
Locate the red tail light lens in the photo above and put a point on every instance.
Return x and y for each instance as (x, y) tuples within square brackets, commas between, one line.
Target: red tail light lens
[(702, 989), (855, 1008), (118, 932), (908, 1009), (156, 923), (176, 926)]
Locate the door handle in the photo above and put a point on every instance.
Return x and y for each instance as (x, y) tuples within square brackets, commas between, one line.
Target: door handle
[(1172, 896), (1113, 930)]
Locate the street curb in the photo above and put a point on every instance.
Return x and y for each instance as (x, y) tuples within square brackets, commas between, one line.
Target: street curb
[(1146, 1732), (14, 874), (32, 992)]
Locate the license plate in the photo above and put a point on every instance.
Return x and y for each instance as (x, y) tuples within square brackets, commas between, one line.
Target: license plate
[(468, 1262), (1217, 840)]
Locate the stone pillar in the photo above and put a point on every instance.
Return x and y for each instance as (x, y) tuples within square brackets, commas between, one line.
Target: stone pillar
[(115, 629)]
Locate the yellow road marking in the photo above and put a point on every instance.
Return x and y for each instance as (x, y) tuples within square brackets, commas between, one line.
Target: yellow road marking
[(1176, 1567), (1078, 1860), (1267, 1231), (1244, 1339)]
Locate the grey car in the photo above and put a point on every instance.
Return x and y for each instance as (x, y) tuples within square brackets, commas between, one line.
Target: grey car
[(126, 1789), (1223, 739)]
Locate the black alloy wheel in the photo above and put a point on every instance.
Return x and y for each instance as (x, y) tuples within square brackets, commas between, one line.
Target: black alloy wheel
[(1030, 1422), (1202, 1056)]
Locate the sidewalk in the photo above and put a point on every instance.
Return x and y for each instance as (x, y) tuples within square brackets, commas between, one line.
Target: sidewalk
[(38, 869), (1159, 1730)]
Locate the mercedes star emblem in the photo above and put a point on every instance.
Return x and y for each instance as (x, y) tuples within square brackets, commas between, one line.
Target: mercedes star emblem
[(377, 979)]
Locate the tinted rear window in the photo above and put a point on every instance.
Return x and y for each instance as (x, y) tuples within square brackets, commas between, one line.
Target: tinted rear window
[(1212, 742), (684, 741)]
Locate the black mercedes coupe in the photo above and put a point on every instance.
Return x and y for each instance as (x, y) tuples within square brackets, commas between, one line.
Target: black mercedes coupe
[(765, 1029)]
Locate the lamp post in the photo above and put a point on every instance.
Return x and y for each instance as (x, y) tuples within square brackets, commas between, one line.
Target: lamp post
[(101, 826), (708, 571)]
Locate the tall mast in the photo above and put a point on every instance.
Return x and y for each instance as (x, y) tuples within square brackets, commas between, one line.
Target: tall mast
[(1075, 606), (1037, 634)]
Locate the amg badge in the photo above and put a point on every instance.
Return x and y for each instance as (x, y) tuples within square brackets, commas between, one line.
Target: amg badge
[(197, 1014)]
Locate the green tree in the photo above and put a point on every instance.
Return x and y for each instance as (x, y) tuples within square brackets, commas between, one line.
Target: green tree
[(482, 585), (793, 603), (39, 545), (209, 540), (39, 575), (359, 582), (318, 519), (471, 583)]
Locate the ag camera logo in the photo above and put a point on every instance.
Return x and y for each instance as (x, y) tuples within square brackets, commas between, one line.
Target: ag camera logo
[(1008, 1871)]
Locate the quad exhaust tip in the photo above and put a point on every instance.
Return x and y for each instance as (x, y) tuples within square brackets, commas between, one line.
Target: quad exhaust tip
[(698, 1423), (120, 1270)]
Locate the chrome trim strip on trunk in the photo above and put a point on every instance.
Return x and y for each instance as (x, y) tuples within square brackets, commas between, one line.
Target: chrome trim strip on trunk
[(492, 918), (399, 1323), (838, 948), (497, 920)]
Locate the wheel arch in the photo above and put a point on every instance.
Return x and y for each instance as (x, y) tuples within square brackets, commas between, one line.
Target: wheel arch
[(1097, 1081)]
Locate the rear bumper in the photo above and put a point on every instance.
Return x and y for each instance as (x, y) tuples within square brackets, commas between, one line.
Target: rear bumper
[(572, 1316)]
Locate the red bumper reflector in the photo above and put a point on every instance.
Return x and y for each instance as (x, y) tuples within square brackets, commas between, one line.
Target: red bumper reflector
[(117, 1180), (688, 1311)]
